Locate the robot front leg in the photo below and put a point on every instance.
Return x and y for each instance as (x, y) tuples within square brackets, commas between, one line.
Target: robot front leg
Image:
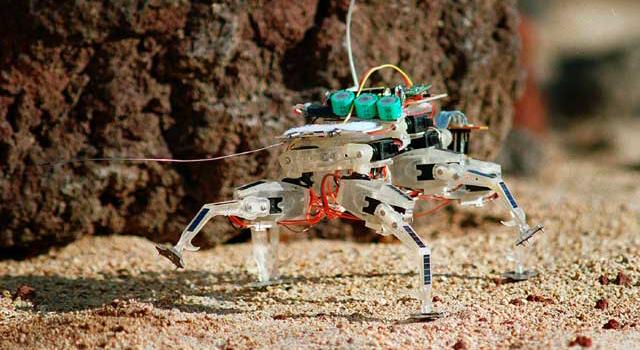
[(393, 222), (456, 174), (388, 210), (248, 208)]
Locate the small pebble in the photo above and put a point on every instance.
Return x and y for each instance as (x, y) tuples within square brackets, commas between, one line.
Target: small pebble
[(604, 280), (460, 345), (539, 299), (118, 328), (612, 324), (602, 304), (581, 340), (622, 279), (25, 292)]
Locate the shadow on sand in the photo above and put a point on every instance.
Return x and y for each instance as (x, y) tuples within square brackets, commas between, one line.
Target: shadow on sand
[(178, 289)]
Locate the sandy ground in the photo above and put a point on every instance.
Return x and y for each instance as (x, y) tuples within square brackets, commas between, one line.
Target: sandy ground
[(115, 292)]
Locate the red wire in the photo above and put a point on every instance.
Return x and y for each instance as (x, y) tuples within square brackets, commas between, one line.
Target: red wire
[(237, 222), (433, 111), (432, 210)]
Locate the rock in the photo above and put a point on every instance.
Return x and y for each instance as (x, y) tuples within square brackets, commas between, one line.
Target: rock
[(539, 299), (581, 340), (187, 79), (602, 304), (460, 345), (622, 279), (612, 324), (516, 302), (118, 329), (603, 279), (25, 292)]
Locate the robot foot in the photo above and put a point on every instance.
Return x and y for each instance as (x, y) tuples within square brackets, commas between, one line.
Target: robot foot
[(427, 316), (528, 234), (516, 276), (172, 254)]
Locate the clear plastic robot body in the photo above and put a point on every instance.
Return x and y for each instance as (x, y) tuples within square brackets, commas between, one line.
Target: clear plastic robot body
[(371, 169)]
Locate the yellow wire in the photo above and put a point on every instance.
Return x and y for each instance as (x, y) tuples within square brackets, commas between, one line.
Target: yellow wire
[(366, 77)]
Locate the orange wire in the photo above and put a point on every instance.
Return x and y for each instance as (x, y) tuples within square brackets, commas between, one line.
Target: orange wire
[(433, 210)]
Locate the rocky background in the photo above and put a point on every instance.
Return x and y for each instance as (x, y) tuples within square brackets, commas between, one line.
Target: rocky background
[(188, 79)]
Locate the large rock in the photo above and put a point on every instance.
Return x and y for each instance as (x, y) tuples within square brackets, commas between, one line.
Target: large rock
[(193, 79)]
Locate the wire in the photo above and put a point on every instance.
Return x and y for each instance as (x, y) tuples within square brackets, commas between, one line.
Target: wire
[(237, 222), (165, 160), (406, 78), (433, 210), (352, 65)]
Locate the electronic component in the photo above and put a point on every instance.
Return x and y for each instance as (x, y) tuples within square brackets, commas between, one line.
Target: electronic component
[(418, 123), (341, 102), (460, 141), (389, 108), (384, 149), (366, 106)]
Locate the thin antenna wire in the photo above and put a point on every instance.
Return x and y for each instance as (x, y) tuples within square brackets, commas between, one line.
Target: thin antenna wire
[(352, 65), (166, 160)]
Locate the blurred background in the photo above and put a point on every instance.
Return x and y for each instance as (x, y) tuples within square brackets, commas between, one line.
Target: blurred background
[(189, 79), (582, 63)]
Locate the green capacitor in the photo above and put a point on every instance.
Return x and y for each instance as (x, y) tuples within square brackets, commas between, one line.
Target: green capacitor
[(389, 108), (341, 102), (366, 106)]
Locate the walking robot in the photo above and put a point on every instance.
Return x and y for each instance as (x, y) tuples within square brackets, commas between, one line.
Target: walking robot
[(378, 151)]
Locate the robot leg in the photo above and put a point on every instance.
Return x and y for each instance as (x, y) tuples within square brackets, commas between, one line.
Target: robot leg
[(393, 222), (388, 210), (261, 204), (248, 208), (457, 174), (265, 237)]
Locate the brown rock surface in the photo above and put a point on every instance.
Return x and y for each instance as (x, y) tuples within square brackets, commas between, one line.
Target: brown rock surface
[(190, 79)]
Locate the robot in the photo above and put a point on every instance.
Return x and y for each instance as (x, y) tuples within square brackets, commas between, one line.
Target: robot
[(375, 154)]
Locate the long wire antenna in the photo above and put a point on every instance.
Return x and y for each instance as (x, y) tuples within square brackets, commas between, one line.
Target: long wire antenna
[(165, 160), (352, 65)]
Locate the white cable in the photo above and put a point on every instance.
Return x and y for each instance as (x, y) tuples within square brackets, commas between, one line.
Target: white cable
[(166, 160), (352, 65)]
